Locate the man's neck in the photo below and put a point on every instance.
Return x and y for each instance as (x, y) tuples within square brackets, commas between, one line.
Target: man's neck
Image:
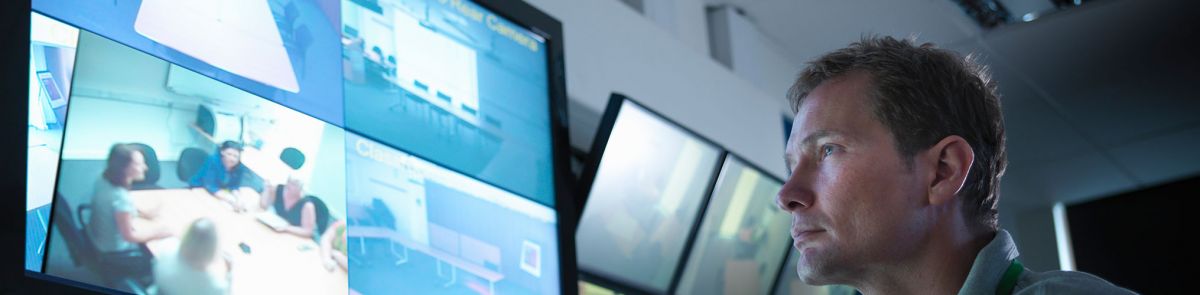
[(940, 266)]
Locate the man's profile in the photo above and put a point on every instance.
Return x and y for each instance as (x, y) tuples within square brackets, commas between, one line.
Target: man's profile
[(895, 159)]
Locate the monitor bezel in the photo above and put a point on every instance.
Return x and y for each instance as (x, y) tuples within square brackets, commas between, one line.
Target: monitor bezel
[(550, 29), (588, 177), (15, 64), (748, 165)]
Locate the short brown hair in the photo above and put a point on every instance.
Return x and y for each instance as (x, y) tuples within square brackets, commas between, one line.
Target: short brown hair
[(924, 94), (120, 156)]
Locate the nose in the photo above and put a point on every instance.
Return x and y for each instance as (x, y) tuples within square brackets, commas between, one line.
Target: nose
[(796, 193)]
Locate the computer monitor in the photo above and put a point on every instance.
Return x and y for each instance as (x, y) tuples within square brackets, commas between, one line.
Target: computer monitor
[(646, 187), (140, 186), (419, 228), (216, 68), (286, 51), (455, 82), (743, 237), (51, 64)]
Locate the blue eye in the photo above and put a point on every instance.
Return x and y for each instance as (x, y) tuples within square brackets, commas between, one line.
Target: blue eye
[(826, 151)]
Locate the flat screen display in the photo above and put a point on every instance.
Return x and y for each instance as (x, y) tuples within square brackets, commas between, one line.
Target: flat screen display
[(148, 198), (284, 50), (419, 228), (276, 146), (743, 237), (454, 83), (649, 186), (51, 63)]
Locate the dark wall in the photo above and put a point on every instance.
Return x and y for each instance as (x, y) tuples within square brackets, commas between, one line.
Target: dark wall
[(1139, 240)]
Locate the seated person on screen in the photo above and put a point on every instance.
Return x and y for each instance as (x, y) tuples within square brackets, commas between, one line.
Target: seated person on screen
[(289, 202), (111, 223), (333, 246), (223, 173), (184, 271)]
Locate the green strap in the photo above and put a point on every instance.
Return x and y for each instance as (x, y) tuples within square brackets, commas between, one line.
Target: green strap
[(1009, 281)]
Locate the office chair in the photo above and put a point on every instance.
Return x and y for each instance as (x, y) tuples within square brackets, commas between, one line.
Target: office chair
[(84, 253), (292, 157), (190, 161)]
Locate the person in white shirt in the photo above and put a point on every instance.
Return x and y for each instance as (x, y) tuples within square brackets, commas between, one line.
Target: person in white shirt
[(185, 271)]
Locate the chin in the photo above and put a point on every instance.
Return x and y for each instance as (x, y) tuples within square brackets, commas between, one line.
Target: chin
[(811, 278), (813, 268)]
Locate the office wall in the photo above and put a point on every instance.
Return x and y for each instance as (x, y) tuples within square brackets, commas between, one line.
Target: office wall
[(682, 19), (1037, 241), (738, 43), (135, 100), (610, 47)]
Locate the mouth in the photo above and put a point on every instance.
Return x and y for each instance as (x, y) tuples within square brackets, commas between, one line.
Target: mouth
[(801, 236)]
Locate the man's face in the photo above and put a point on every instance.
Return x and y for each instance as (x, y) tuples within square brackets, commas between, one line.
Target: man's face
[(230, 158), (853, 199)]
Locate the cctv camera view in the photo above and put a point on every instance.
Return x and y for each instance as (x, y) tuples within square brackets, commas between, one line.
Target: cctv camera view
[(647, 193), (172, 182), (454, 83), (51, 63), (743, 237), (419, 228), (284, 50)]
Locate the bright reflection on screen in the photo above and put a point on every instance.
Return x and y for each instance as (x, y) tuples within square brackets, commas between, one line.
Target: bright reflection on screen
[(743, 237), (644, 200)]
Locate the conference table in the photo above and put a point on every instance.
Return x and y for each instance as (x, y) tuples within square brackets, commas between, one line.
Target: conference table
[(277, 263), (453, 261), (238, 36)]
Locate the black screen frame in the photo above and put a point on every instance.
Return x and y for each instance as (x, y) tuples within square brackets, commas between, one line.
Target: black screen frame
[(14, 62), (588, 177), (550, 29), (777, 273)]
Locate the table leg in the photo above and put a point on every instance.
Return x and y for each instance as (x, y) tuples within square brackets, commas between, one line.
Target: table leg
[(401, 259), (453, 276)]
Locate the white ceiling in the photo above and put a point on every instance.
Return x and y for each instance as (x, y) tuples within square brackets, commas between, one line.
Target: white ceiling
[(1097, 98), (807, 28)]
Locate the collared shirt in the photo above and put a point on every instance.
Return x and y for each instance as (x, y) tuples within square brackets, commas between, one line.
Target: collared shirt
[(213, 177), (994, 259)]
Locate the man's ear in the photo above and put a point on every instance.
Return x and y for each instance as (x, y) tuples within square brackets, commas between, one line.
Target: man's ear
[(954, 157)]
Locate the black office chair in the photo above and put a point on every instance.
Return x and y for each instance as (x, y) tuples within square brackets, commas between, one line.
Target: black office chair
[(292, 157), (79, 247), (153, 170), (190, 161), (377, 215), (83, 252)]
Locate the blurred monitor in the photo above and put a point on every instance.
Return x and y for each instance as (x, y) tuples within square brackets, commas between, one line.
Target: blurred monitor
[(51, 64), (645, 190), (136, 175), (419, 228), (743, 237), (453, 82), (789, 282)]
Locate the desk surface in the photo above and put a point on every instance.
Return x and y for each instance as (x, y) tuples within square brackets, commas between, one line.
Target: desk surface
[(239, 36), (278, 263)]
